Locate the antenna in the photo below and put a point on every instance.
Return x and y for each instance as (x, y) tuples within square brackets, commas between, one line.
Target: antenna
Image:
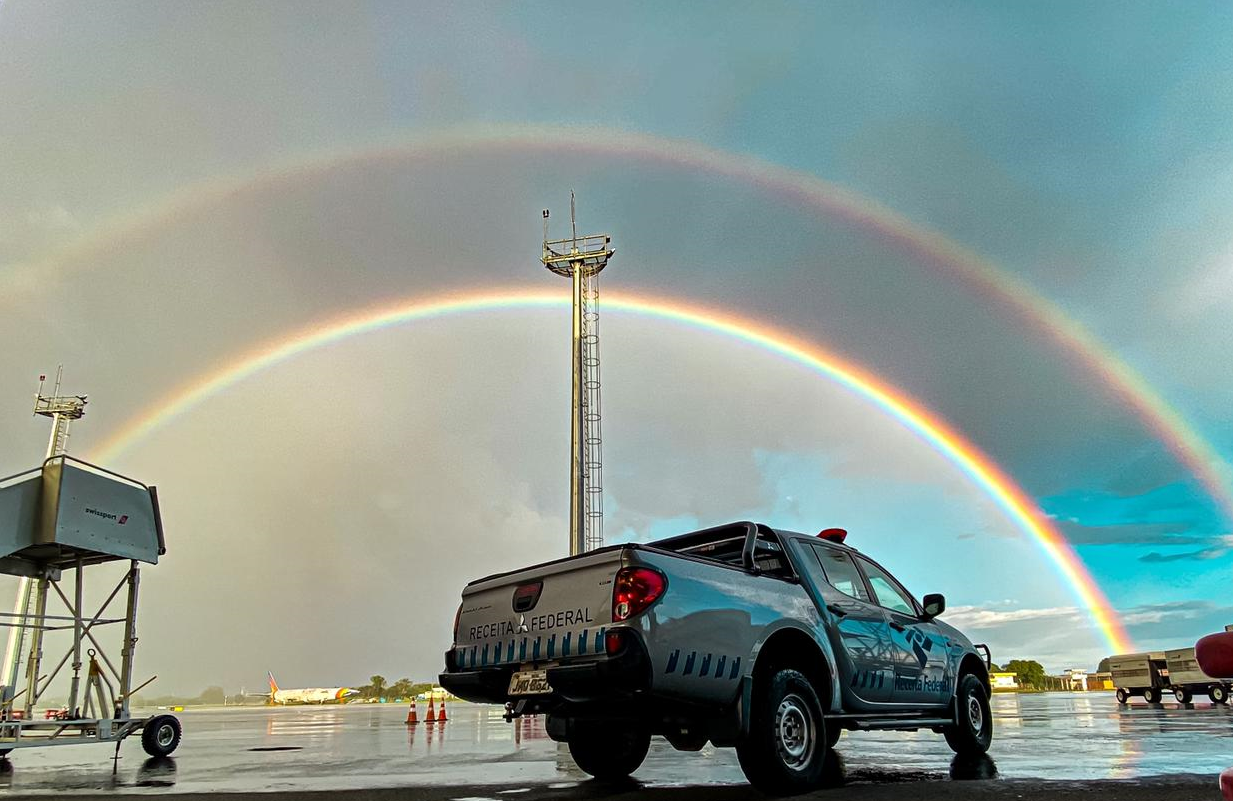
[(573, 220), (581, 260), (62, 409)]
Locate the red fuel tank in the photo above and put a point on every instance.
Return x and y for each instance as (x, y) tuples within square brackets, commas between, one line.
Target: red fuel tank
[(1215, 655)]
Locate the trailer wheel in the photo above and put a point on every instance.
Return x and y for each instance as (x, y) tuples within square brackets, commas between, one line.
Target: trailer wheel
[(784, 751), (1151, 695), (972, 730), (160, 735), (1182, 695), (1121, 695), (1218, 693), (608, 751)]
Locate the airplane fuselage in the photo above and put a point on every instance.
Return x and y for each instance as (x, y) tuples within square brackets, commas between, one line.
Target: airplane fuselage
[(312, 695)]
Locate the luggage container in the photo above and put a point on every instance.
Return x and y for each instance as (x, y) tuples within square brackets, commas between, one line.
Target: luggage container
[(1187, 679), (1145, 674)]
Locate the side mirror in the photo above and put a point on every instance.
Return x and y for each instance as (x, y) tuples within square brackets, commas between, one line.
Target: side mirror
[(935, 604)]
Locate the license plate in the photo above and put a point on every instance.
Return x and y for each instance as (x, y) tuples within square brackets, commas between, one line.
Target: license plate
[(529, 682)]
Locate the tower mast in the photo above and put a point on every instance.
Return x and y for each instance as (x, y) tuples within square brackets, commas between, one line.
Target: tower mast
[(581, 259), (63, 410)]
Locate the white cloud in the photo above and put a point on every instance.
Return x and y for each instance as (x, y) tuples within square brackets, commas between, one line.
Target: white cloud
[(975, 617)]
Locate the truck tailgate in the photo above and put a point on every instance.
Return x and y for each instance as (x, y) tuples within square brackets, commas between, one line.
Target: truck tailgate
[(552, 612)]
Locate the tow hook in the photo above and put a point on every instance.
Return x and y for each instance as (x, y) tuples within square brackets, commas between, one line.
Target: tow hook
[(514, 710)]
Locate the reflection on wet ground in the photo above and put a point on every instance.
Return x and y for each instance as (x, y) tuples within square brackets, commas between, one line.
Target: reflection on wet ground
[(1056, 736)]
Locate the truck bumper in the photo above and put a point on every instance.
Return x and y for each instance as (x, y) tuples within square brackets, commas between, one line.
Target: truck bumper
[(610, 678)]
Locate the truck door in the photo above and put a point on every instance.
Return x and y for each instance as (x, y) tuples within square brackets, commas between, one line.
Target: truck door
[(860, 636), (923, 673)]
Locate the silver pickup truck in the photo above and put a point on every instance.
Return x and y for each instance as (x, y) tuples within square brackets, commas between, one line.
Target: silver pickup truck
[(741, 635)]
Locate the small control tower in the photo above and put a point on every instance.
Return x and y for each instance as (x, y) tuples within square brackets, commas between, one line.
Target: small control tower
[(58, 520), (581, 259)]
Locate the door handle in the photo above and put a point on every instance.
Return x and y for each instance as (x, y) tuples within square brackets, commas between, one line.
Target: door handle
[(837, 611), (897, 626)]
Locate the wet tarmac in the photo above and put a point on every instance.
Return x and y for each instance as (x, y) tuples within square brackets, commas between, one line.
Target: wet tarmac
[(1055, 736)]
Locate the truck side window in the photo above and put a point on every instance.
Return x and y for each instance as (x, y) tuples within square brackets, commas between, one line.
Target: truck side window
[(841, 573), (890, 594)]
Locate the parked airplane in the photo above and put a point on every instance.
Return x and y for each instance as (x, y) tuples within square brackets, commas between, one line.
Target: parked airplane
[(315, 695)]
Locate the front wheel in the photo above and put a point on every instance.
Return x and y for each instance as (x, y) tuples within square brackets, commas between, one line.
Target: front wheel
[(1121, 695), (609, 752), (161, 735), (1182, 695), (1151, 695), (784, 751), (972, 731), (1219, 694)]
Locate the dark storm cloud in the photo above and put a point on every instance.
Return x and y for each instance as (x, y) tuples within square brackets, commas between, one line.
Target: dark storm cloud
[(1222, 547), (1170, 533), (1176, 624)]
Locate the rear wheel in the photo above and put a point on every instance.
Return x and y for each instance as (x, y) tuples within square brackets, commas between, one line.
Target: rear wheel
[(1151, 695), (1121, 695), (160, 735), (1182, 695), (972, 730), (784, 751), (608, 751), (1219, 694)]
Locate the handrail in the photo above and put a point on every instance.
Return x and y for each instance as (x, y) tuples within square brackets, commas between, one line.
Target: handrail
[(113, 473)]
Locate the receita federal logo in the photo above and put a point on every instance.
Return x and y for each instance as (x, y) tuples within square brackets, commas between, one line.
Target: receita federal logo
[(120, 519)]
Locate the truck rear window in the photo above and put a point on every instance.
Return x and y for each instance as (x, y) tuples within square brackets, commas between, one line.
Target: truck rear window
[(727, 545)]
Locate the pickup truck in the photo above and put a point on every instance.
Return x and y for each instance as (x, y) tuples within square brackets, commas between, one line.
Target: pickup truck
[(741, 635)]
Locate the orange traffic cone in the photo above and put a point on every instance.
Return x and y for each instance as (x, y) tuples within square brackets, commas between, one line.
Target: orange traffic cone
[(441, 718), (412, 717), (432, 711)]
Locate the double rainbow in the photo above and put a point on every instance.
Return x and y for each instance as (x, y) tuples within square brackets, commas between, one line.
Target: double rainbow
[(978, 467), (926, 246)]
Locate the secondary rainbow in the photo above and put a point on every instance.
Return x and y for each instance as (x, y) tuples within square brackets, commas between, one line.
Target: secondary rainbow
[(928, 247), (964, 455)]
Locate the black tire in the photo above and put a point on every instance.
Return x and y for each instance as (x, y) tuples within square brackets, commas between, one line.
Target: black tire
[(1121, 695), (832, 735), (972, 731), (1182, 695), (161, 735), (1218, 693), (784, 751), (608, 752), (1151, 695)]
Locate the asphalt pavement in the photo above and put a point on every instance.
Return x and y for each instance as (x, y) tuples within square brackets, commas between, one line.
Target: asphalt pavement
[(1056, 745)]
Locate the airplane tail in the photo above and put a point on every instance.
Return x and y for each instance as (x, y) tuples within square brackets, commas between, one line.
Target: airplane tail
[(273, 684)]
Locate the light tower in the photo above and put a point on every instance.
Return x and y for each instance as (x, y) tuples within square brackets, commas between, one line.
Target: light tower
[(63, 410), (581, 259)]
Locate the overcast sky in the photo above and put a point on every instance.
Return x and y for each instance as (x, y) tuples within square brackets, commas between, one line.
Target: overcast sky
[(323, 515)]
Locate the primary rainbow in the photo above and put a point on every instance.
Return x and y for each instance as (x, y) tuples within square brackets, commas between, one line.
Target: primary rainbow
[(929, 247), (964, 455)]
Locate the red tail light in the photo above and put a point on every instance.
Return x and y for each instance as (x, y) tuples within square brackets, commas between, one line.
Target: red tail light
[(635, 589), (614, 642)]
